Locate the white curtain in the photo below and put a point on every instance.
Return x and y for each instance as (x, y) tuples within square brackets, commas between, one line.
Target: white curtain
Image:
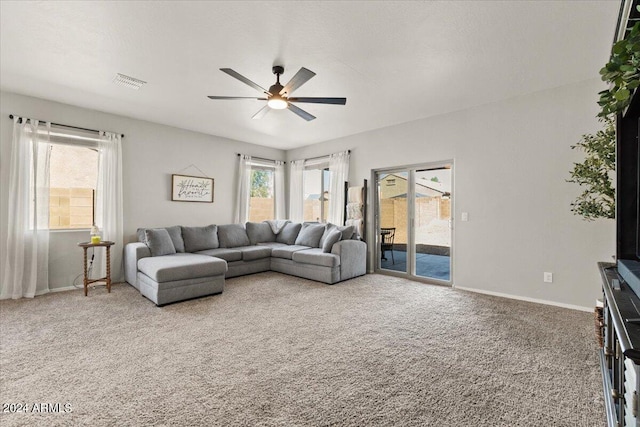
[(26, 263), (278, 178), (296, 191), (244, 187), (109, 202), (339, 170)]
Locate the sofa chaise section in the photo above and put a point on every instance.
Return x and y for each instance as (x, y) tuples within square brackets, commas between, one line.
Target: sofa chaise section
[(181, 276)]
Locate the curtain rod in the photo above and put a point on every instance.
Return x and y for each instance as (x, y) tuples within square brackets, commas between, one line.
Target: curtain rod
[(67, 126), (321, 157), (262, 158)]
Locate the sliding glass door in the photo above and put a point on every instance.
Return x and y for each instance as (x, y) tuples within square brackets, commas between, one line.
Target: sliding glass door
[(432, 223), (413, 221), (393, 219)]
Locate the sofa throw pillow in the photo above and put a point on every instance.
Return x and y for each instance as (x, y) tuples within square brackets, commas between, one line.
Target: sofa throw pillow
[(232, 236), (260, 232), (200, 238), (175, 233), (348, 232), (159, 241), (328, 229), (289, 233), (334, 237), (277, 224), (141, 235), (310, 235)]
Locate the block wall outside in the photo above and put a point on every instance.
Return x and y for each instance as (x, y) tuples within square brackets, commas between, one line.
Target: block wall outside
[(261, 209), (394, 214), (313, 211), (70, 208)]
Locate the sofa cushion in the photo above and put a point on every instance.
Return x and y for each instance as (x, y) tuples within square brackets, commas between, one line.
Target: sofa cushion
[(272, 244), (176, 236), (226, 254), (334, 236), (169, 268), (315, 256), (232, 236), (310, 235), (250, 253), (260, 232), (289, 233), (159, 242), (200, 238), (287, 252)]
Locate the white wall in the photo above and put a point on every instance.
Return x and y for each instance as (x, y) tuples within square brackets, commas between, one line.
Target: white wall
[(511, 162), (151, 153)]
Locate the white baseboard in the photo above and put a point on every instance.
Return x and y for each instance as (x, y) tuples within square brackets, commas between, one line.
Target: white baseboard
[(478, 291), (535, 300), (66, 288), (63, 289)]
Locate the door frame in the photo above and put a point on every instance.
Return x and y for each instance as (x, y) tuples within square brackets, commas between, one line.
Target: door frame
[(411, 169)]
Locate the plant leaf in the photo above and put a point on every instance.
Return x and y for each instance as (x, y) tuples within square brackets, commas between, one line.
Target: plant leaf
[(622, 94)]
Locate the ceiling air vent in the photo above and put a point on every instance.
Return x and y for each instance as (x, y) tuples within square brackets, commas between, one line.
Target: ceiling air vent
[(126, 81)]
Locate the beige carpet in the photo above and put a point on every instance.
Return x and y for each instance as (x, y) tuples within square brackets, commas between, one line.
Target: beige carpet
[(275, 350)]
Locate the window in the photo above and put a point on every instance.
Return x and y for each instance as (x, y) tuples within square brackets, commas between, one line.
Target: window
[(261, 198), (260, 194), (73, 174), (316, 194)]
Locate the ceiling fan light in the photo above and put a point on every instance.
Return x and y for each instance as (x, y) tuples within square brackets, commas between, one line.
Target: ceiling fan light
[(277, 103)]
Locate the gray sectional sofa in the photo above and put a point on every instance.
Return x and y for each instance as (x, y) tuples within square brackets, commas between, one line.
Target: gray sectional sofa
[(177, 263)]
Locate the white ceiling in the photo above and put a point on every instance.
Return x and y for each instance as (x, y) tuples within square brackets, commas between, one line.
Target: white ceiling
[(394, 61)]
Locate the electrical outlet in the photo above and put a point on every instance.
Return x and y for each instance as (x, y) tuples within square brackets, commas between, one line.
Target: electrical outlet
[(548, 277), (465, 216)]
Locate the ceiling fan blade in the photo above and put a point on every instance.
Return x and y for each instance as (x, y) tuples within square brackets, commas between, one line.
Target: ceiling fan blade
[(261, 113), (244, 80), (299, 111), (301, 77), (236, 97), (336, 101)]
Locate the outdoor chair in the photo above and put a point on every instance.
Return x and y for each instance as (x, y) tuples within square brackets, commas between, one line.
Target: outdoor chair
[(387, 235)]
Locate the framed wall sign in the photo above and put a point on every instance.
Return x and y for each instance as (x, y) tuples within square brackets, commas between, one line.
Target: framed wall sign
[(185, 188)]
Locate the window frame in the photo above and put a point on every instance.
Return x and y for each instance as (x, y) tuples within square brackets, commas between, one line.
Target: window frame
[(258, 165), (77, 138), (323, 166)]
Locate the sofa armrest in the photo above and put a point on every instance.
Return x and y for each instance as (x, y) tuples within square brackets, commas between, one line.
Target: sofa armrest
[(353, 258), (132, 253)]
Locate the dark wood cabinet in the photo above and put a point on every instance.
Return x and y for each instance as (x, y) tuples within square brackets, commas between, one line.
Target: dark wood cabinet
[(620, 353)]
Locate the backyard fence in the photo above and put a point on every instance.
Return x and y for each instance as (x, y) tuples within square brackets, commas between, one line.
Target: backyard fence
[(70, 208), (431, 219)]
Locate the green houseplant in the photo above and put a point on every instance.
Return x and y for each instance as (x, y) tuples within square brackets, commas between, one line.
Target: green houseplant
[(622, 72), (596, 172)]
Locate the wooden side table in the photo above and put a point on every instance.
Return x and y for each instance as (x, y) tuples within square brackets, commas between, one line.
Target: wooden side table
[(107, 278)]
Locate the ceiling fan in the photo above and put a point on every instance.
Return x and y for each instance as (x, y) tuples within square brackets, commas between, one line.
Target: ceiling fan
[(278, 97)]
